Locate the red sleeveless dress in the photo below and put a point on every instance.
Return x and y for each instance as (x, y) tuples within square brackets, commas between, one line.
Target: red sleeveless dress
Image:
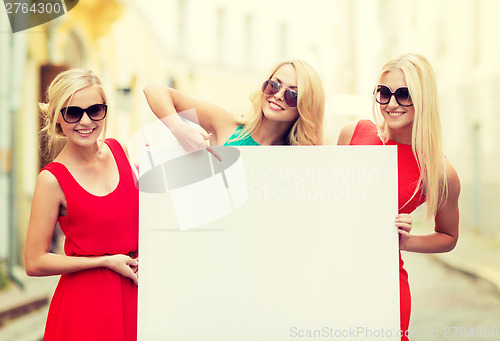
[(96, 304), (408, 177)]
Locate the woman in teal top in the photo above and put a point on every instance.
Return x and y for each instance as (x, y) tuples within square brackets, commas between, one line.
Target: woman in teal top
[(287, 110)]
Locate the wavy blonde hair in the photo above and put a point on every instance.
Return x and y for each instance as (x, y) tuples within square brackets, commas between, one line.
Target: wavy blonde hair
[(426, 130), (308, 128), (59, 93)]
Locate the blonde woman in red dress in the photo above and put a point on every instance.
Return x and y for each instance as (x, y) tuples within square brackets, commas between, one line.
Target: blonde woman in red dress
[(406, 115), (89, 190)]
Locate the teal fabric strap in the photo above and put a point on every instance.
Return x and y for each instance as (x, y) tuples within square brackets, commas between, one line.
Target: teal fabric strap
[(237, 140)]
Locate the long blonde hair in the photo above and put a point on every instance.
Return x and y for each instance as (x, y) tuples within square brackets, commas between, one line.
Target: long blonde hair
[(426, 131), (59, 93), (308, 128)]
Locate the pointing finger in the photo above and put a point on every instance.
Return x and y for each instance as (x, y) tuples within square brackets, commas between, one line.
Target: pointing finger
[(214, 153)]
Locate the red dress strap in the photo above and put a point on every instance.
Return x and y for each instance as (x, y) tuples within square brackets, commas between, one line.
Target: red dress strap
[(124, 166), (365, 133), (61, 173)]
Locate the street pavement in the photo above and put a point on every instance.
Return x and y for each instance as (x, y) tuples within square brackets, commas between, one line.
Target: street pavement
[(449, 304), (27, 328), (31, 324)]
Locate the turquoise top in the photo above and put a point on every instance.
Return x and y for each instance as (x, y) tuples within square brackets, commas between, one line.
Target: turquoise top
[(245, 141)]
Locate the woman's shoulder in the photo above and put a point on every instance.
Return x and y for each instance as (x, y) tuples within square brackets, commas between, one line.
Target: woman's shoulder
[(46, 175), (452, 179), (47, 182), (115, 149), (348, 130)]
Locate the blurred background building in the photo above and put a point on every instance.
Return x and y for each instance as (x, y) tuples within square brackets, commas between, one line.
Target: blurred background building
[(221, 51)]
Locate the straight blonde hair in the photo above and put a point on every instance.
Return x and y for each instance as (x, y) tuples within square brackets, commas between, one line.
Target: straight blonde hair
[(426, 138), (307, 130), (59, 93)]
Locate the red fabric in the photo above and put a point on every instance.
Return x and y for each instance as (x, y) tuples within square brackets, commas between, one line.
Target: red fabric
[(96, 304), (408, 177)]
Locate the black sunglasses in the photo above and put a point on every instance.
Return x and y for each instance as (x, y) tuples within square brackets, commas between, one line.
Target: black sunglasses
[(96, 112), (383, 95), (271, 87)]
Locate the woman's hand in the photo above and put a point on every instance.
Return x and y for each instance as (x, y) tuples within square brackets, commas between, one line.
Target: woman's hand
[(167, 103), (191, 137), (135, 268), (403, 223), (123, 265)]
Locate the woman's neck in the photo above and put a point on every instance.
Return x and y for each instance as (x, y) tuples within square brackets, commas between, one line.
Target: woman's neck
[(272, 133), (79, 155), (402, 136)]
